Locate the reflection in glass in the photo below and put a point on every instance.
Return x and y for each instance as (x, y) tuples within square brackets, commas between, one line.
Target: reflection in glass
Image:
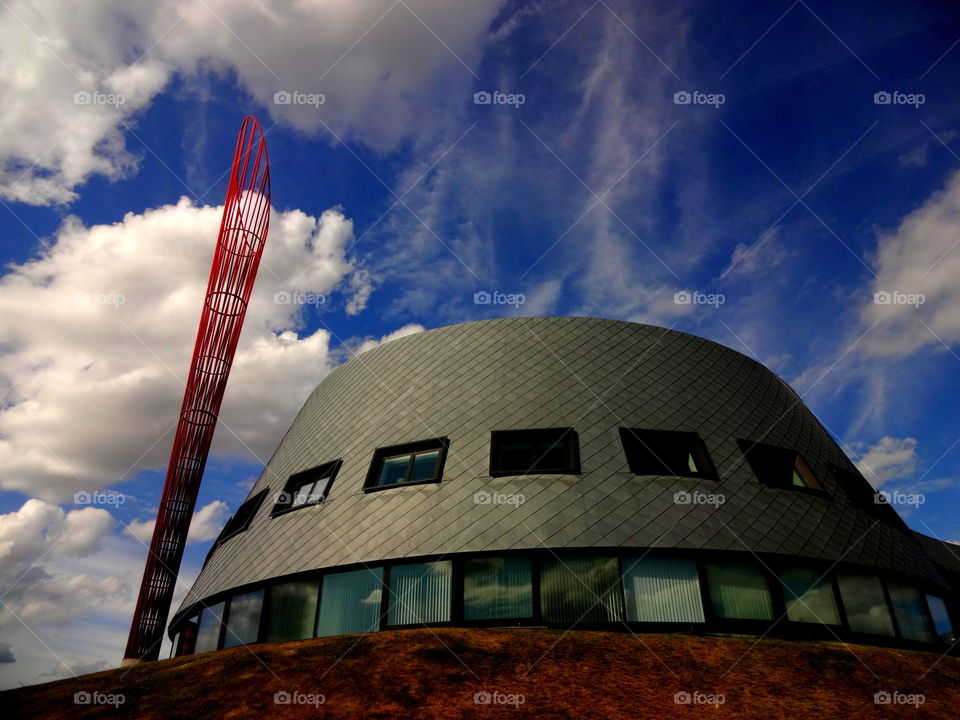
[(293, 607), (941, 619), (809, 596), (910, 612), (243, 620), (208, 633), (350, 602), (580, 590), (420, 593), (662, 590), (496, 588), (863, 601), (739, 591)]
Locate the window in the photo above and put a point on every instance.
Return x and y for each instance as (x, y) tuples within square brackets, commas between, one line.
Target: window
[(420, 593), (410, 464), (941, 619), (186, 640), (910, 612), (208, 633), (497, 588), (662, 590), (739, 591), (309, 487), (241, 519), (534, 452), (243, 619), (581, 590), (666, 452), (779, 467), (864, 603), (291, 611), (809, 596), (350, 602)]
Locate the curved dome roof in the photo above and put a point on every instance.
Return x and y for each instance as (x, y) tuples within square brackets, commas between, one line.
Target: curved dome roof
[(463, 381)]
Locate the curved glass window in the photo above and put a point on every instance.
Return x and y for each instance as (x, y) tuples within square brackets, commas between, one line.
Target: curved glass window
[(291, 611), (809, 596), (208, 633), (495, 588), (420, 593), (739, 591), (243, 619), (910, 612), (941, 619), (662, 590), (581, 589), (864, 604), (350, 602)]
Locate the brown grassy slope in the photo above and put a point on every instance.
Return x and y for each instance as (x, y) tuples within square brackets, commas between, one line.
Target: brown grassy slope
[(435, 673)]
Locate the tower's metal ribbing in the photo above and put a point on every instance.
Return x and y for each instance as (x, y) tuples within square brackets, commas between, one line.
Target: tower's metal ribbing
[(243, 232)]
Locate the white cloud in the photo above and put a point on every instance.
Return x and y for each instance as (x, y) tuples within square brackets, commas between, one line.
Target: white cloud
[(39, 529), (381, 73), (890, 459), (93, 388), (371, 343), (921, 257), (205, 524)]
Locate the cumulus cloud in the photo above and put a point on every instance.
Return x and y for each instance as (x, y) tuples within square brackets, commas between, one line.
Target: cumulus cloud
[(370, 343), (890, 459), (99, 328), (380, 69), (920, 257), (205, 525)]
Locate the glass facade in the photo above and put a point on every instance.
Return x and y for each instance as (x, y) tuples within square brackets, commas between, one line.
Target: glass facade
[(243, 619), (581, 589), (865, 604), (495, 588), (941, 619), (420, 593), (662, 590), (910, 612), (208, 632), (809, 596), (739, 591), (350, 602), (291, 611)]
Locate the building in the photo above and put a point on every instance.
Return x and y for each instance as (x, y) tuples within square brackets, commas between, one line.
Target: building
[(565, 472)]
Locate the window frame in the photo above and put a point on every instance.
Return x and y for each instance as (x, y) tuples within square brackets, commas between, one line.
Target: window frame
[(797, 463), (326, 471), (551, 434), (419, 447), (630, 438), (239, 523)]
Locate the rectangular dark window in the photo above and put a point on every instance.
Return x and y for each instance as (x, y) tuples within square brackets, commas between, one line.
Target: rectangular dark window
[(739, 591), (242, 517), (309, 487), (581, 589), (666, 452), (534, 452), (350, 602), (779, 467), (291, 610), (243, 619), (409, 464), (497, 588), (865, 604), (809, 596), (420, 593), (208, 634)]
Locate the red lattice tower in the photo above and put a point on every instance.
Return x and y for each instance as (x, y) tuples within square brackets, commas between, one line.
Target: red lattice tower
[(243, 232)]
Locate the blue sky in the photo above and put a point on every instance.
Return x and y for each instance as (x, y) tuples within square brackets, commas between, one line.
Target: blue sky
[(795, 195)]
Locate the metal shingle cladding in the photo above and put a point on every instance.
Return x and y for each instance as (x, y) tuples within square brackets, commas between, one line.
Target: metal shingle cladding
[(465, 380)]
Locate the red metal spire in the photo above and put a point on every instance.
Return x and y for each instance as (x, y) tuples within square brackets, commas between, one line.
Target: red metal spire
[(243, 232)]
